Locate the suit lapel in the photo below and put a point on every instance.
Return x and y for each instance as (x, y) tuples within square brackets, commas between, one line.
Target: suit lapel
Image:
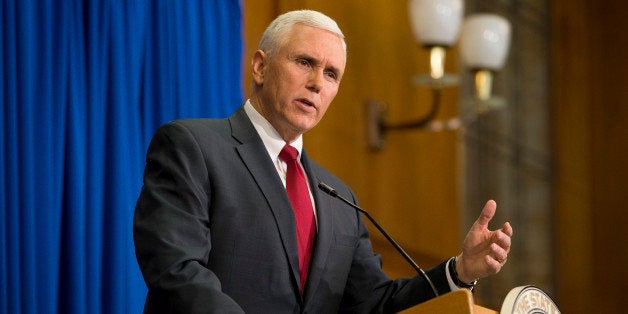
[(264, 173), (324, 236)]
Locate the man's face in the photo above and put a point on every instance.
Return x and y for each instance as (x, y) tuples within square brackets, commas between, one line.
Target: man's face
[(299, 80)]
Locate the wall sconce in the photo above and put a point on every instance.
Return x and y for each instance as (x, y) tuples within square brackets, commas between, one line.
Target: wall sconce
[(484, 43)]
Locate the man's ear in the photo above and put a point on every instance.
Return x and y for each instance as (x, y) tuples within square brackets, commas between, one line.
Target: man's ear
[(258, 65)]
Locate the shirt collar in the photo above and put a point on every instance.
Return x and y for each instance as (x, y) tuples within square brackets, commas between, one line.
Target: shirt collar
[(270, 137)]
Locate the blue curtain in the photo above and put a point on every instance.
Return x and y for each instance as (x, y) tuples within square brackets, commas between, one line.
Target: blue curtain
[(84, 86)]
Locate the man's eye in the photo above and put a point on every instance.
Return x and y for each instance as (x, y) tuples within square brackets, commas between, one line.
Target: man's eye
[(303, 62), (331, 75)]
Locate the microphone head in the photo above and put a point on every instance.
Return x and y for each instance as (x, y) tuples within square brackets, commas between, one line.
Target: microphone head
[(327, 189)]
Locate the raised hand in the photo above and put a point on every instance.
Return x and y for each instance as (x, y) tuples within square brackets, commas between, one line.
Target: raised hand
[(484, 252)]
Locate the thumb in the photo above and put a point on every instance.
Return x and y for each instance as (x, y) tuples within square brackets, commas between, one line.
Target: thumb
[(487, 214)]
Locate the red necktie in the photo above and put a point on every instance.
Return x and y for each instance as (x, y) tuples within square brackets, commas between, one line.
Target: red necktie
[(299, 195)]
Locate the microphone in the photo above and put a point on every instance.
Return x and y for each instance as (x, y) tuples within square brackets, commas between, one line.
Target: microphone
[(331, 191)]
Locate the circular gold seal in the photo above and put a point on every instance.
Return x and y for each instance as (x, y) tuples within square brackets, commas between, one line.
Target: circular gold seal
[(528, 300)]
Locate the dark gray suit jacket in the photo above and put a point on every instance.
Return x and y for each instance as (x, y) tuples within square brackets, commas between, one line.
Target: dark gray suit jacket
[(214, 232)]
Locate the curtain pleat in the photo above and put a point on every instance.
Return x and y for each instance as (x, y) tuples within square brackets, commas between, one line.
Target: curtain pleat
[(84, 86)]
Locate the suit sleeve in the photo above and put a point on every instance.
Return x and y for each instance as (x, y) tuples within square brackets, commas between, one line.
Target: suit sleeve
[(171, 228)]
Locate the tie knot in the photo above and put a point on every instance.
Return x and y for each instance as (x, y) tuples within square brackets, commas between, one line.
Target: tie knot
[(288, 153)]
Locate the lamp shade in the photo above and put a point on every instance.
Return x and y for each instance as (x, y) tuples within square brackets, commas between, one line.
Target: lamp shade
[(435, 22), (484, 41)]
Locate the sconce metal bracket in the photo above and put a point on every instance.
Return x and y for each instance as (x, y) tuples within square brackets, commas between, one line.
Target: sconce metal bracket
[(377, 126)]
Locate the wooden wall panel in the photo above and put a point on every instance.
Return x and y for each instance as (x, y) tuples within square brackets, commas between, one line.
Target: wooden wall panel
[(591, 142), (257, 15), (573, 155), (609, 114)]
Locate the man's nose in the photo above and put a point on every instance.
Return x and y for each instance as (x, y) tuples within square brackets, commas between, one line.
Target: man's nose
[(315, 80)]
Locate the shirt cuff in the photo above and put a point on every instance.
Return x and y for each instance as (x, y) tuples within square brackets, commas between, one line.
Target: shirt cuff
[(450, 281)]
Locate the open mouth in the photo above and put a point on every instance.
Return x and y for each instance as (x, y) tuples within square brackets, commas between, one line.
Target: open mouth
[(307, 102)]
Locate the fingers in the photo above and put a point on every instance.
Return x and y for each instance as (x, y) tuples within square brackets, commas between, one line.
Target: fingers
[(495, 259), (507, 229), (498, 253), (502, 239), (500, 243), (494, 266), (499, 248), (487, 213)]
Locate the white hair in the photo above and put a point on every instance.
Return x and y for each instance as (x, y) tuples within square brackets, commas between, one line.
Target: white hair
[(274, 35)]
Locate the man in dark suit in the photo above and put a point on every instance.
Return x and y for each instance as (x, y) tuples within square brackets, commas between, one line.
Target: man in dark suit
[(217, 232)]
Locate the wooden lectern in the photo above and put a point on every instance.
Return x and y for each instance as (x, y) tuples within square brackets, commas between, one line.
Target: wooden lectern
[(459, 301), (523, 299)]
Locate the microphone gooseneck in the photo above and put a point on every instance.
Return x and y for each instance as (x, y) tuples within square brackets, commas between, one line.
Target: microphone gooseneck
[(331, 191)]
